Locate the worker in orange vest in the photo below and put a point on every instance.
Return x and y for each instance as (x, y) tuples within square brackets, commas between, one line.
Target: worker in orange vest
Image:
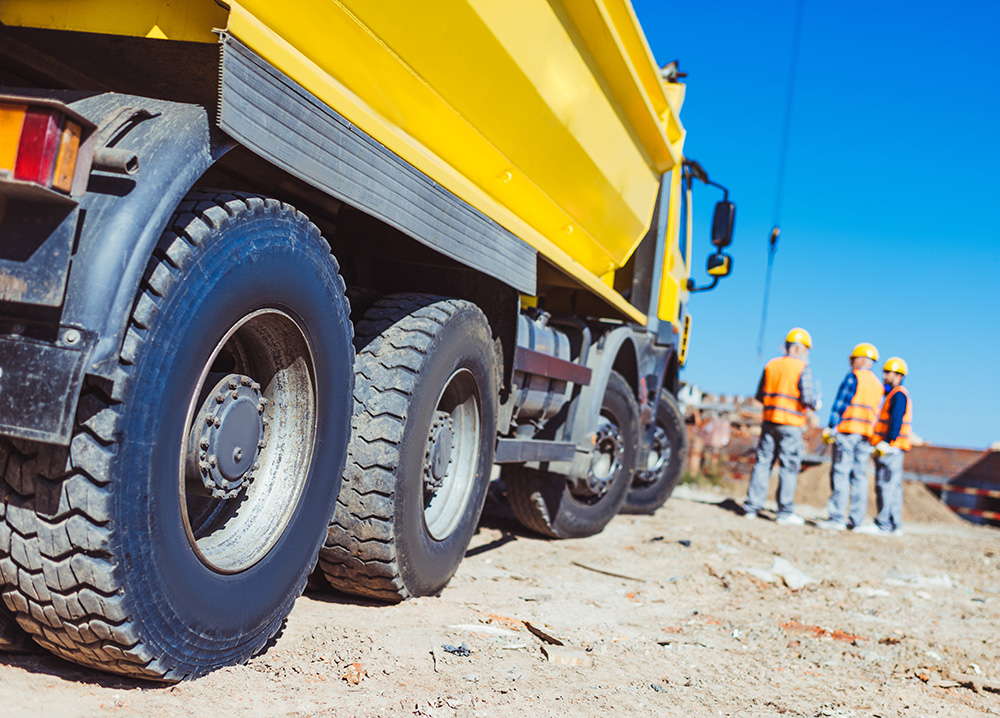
[(786, 390), (891, 438), (852, 421)]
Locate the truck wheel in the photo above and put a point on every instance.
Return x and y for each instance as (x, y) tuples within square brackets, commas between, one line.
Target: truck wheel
[(555, 506), (175, 532), (653, 484), (421, 449)]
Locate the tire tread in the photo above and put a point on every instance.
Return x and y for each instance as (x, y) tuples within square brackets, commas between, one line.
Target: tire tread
[(58, 577), (393, 341)]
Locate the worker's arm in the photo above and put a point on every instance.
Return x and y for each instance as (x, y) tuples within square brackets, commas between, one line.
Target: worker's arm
[(845, 394), (807, 397), (759, 396), (897, 410)]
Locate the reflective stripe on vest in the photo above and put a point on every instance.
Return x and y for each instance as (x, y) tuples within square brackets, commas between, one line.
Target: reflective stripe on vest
[(882, 426), (781, 392), (859, 416)]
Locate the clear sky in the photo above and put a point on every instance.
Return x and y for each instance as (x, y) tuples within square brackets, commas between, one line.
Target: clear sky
[(890, 210)]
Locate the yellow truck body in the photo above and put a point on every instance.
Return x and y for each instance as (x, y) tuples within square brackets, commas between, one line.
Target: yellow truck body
[(551, 118), (285, 283)]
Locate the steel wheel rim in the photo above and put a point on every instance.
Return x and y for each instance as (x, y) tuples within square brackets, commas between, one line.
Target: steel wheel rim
[(605, 463), (233, 534), (659, 457), (445, 506)]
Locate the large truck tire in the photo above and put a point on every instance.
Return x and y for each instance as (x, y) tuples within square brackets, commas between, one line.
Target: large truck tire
[(421, 450), (553, 506), (175, 532), (653, 483)]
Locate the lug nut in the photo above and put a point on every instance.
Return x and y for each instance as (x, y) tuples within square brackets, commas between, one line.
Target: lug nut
[(245, 381), (233, 384), (212, 461), (220, 398)]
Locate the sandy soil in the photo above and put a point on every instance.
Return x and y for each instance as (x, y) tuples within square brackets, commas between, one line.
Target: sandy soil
[(677, 614)]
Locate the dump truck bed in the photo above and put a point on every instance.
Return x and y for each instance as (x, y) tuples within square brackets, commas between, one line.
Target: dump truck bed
[(549, 117)]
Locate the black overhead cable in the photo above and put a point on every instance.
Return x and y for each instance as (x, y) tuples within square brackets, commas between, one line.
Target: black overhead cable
[(772, 246)]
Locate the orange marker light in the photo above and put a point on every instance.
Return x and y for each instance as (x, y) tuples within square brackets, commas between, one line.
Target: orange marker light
[(11, 122), (69, 147)]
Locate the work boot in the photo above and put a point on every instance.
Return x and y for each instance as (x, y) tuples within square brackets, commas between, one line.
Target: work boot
[(790, 520), (831, 525), (874, 530)]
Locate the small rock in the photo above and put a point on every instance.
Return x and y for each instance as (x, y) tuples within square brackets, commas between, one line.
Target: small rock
[(567, 656)]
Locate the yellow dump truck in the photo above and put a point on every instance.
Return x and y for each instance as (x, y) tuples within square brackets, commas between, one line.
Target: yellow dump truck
[(300, 279)]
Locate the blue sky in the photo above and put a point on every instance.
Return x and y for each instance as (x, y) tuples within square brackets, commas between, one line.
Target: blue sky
[(890, 210)]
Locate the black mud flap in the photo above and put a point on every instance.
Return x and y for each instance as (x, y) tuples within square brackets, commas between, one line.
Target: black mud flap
[(38, 385)]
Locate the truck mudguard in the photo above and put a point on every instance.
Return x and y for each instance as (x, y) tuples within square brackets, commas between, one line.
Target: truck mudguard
[(121, 218)]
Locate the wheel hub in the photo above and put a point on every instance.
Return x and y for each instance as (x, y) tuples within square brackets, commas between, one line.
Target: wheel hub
[(228, 436), (659, 456), (437, 455), (605, 461)]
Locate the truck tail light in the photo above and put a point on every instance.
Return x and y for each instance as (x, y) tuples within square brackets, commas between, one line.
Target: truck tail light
[(39, 145), (42, 144)]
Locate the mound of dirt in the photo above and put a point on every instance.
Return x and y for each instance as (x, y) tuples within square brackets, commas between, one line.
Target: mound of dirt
[(920, 505)]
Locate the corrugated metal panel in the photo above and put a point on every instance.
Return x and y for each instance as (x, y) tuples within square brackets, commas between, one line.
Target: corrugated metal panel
[(277, 118)]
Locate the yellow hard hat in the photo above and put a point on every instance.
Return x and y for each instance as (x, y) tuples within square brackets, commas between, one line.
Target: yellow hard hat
[(895, 364), (799, 336), (864, 349)]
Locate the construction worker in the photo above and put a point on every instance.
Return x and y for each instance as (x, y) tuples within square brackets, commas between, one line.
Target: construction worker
[(891, 438), (786, 390), (852, 420)]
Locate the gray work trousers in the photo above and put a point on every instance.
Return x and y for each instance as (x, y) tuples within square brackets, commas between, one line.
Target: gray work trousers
[(783, 443), (849, 479), (889, 490)]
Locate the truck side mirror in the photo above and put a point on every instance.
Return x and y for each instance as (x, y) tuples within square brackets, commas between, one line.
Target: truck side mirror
[(719, 264), (722, 224)]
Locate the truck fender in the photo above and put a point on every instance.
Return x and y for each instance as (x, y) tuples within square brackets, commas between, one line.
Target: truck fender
[(123, 216)]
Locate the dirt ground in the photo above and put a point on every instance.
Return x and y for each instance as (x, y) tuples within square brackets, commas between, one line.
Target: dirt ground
[(693, 611)]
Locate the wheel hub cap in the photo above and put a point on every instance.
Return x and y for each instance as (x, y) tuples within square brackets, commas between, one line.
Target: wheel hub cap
[(606, 460), (437, 455), (229, 436), (659, 456)]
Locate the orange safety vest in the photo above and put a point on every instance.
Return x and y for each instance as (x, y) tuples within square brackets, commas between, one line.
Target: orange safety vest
[(882, 426), (781, 392), (859, 416)]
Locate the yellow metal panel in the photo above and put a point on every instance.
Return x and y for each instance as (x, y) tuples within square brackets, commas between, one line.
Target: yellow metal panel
[(548, 116), (498, 91), (177, 20), (324, 85), (673, 285), (682, 355), (610, 32)]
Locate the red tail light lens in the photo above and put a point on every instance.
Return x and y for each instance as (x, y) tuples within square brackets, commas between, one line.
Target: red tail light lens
[(36, 156)]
